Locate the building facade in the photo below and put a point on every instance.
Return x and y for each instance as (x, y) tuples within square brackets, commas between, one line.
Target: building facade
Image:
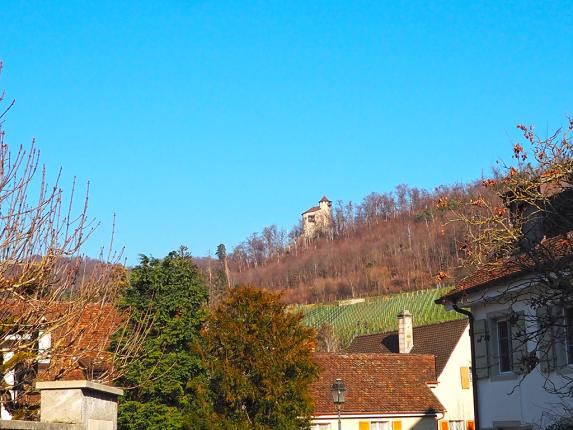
[(524, 373), (317, 219)]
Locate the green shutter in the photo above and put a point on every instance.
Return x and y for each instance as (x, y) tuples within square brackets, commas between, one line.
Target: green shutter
[(480, 339), (519, 344), (545, 350)]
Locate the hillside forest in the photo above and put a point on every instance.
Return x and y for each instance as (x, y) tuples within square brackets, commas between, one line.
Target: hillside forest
[(397, 241)]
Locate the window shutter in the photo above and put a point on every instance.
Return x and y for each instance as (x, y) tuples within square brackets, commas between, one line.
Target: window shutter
[(519, 344), (560, 340), (471, 425), (396, 425), (364, 425), (481, 337), (444, 425), (465, 376), (545, 350)]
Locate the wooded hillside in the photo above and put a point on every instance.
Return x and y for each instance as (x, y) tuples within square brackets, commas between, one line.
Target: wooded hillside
[(390, 242)]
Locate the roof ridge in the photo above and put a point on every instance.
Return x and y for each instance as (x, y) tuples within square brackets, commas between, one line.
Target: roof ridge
[(378, 333)]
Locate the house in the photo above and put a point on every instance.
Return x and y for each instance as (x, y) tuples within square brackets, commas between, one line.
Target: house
[(521, 315), (449, 343), (75, 348), (383, 392), (523, 346), (317, 219)]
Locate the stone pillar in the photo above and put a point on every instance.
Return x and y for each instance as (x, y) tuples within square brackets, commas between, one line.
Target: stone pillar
[(405, 332), (92, 405)]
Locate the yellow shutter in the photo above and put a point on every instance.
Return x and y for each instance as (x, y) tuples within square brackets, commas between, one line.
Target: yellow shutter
[(471, 425), (364, 425), (396, 425), (444, 425), (465, 374)]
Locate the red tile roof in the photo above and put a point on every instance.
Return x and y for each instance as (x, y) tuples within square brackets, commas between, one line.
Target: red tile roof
[(312, 209), (438, 340), (376, 383), (317, 208), (80, 336), (554, 250)]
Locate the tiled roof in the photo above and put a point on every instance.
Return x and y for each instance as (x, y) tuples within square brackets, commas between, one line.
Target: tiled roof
[(438, 340), (325, 199), (312, 209), (376, 383), (90, 333), (80, 336), (550, 251)]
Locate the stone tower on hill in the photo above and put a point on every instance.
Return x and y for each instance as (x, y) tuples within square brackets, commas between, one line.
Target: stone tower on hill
[(317, 219)]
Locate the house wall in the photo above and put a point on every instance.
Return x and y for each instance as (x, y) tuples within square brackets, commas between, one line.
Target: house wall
[(353, 423), (512, 400), (457, 400)]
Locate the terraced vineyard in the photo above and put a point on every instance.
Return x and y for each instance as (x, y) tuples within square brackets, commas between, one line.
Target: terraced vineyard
[(377, 314)]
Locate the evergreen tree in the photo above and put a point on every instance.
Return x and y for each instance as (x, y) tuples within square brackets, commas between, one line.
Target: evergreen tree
[(260, 358), (222, 278), (169, 295)]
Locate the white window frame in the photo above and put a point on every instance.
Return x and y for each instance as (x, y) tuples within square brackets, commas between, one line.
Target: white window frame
[(456, 425), (380, 425), (509, 345), (320, 426)]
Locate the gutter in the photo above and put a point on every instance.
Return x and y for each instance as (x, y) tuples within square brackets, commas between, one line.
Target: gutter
[(473, 357)]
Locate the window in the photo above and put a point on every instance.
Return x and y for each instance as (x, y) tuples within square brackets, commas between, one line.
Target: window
[(457, 425), (379, 425), (311, 218), (320, 426), (569, 329), (504, 345)]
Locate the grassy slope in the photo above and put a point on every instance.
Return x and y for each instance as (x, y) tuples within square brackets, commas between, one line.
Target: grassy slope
[(377, 314)]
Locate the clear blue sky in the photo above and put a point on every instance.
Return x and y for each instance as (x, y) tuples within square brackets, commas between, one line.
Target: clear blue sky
[(199, 122)]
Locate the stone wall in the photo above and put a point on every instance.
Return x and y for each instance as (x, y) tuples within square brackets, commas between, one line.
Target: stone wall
[(33, 425)]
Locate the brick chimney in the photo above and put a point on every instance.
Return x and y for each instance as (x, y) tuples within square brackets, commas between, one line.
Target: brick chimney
[(405, 333)]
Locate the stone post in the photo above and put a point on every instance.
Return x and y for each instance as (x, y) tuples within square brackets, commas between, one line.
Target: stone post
[(92, 405)]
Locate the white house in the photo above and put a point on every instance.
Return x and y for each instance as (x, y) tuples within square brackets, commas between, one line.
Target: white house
[(524, 372), (382, 392), (449, 342)]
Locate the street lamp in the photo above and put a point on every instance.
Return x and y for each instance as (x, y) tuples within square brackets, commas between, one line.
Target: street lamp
[(338, 392)]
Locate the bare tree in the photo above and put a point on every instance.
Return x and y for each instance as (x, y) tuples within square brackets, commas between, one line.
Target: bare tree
[(57, 307)]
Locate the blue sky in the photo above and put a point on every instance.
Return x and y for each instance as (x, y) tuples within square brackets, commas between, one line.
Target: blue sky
[(200, 122)]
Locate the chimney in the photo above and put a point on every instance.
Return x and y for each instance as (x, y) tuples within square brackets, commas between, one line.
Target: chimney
[(405, 333)]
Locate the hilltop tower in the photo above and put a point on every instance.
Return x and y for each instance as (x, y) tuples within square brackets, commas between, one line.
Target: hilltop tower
[(317, 219)]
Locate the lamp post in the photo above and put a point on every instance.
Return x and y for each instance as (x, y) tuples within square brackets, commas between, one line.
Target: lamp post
[(338, 392)]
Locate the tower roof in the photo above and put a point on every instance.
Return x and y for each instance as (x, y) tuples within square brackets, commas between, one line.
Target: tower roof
[(324, 199)]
